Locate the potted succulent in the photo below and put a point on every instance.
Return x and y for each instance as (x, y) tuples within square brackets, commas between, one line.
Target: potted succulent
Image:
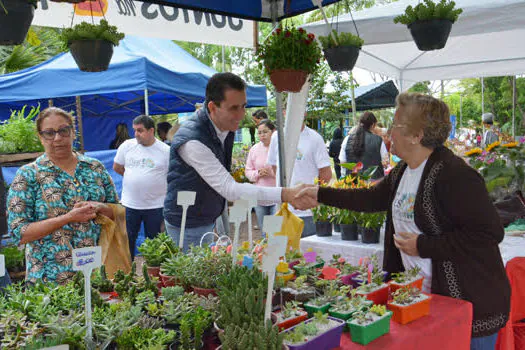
[(205, 269), (319, 332), (289, 55), (430, 23), (290, 315), (341, 50), (252, 335), (91, 45), (318, 304), (409, 304), (101, 283), (309, 268), (372, 284), (348, 221), (369, 325), (173, 270), (14, 262), (345, 308), (157, 250), (15, 19), (284, 273), (298, 290), (370, 225), (409, 278), (293, 256)]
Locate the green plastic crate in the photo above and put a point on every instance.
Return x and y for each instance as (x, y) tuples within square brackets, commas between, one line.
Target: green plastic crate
[(312, 309), (365, 334)]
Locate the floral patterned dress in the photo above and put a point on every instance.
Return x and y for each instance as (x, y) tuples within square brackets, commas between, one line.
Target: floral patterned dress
[(40, 191)]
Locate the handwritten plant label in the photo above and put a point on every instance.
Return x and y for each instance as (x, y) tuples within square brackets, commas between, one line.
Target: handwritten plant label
[(310, 257), (88, 258), (2, 265)]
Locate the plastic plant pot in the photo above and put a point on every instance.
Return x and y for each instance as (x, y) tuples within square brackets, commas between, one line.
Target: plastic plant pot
[(312, 309), (286, 277), (325, 341), (348, 314), (414, 284), (378, 296), (430, 35), (289, 323), (349, 232), (291, 264), (168, 281), (364, 334), (407, 313), (323, 228), (154, 271)]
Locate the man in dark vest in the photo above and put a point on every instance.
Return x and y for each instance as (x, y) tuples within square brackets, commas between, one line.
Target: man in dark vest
[(200, 160)]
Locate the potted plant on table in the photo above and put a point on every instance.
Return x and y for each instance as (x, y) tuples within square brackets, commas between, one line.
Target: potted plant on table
[(173, 270), (284, 273), (409, 304), (298, 290), (157, 250), (289, 55), (370, 226), (348, 221), (15, 19), (341, 50), (14, 262), (91, 45), (409, 278), (290, 315), (101, 283), (317, 333), (430, 23), (372, 285), (369, 325), (345, 308), (253, 335), (205, 269)]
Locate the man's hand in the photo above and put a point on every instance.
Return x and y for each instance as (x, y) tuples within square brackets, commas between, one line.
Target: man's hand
[(407, 243), (263, 172), (306, 198)]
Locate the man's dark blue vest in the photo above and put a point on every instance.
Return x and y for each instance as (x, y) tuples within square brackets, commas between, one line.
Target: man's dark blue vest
[(181, 177)]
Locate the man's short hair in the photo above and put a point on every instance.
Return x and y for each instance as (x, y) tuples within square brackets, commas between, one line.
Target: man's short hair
[(164, 127), (219, 83), (145, 120), (260, 114)]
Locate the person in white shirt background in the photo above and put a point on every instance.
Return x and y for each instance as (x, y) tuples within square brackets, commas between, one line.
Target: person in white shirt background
[(200, 160), (143, 161), (311, 161)]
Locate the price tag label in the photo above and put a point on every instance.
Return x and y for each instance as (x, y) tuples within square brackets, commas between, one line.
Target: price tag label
[(85, 259), (272, 224), (185, 198), (2, 264)]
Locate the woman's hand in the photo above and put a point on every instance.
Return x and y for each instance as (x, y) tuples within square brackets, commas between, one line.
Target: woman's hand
[(263, 172), (407, 243), (100, 208), (81, 213)]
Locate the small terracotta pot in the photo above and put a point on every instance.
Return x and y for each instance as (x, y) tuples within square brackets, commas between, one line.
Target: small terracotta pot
[(204, 291), (154, 271), (168, 281)]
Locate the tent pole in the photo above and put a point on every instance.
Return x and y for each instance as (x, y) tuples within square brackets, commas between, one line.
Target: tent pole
[(354, 112), (79, 121), (279, 115), (146, 102), (513, 107), (482, 108), (460, 110)]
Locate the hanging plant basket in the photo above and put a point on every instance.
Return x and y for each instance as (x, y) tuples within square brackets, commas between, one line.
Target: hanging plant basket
[(92, 55), (15, 21), (342, 58), (430, 35), (288, 80)]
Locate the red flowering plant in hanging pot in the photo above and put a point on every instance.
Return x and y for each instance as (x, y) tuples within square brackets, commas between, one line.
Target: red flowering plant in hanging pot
[(289, 55)]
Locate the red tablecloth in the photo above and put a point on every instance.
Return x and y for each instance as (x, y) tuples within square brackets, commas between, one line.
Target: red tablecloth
[(447, 327)]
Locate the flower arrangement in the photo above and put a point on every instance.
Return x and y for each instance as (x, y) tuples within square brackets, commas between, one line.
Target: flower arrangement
[(238, 163), (290, 48), (501, 165)]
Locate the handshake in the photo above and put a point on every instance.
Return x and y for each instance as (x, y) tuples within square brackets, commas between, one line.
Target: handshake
[(302, 196)]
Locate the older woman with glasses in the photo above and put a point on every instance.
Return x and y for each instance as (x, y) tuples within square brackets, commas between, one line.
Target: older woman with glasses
[(52, 202), (440, 216)]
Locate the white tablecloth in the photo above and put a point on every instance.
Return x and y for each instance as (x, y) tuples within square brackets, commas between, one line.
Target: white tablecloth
[(510, 248)]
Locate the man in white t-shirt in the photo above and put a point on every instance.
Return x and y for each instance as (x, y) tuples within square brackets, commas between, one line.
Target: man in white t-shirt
[(311, 161), (143, 161)]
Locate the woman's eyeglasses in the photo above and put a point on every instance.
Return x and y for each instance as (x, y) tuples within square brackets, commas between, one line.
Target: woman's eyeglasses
[(50, 134)]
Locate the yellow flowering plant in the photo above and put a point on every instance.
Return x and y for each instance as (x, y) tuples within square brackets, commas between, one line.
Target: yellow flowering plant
[(501, 165)]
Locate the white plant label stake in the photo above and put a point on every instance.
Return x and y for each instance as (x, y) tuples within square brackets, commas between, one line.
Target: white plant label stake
[(275, 249), (85, 260), (2, 265), (237, 216), (250, 204), (184, 199)]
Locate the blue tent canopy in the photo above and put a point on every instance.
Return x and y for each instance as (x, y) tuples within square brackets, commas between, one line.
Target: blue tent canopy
[(259, 10), (174, 79)]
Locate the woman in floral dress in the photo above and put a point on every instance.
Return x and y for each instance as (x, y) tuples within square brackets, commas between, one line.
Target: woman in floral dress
[(52, 202)]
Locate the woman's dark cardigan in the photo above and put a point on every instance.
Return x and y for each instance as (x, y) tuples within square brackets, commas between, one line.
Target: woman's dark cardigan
[(461, 231)]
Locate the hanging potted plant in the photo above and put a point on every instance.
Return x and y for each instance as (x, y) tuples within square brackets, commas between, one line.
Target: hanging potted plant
[(15, 19), (289, 55), (430, 23), (341, 50), (91, 45)]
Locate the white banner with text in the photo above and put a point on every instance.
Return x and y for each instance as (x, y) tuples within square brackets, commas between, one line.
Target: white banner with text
[(149, 20)]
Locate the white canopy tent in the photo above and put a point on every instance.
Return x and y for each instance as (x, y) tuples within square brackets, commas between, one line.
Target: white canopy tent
[(487, 40)]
